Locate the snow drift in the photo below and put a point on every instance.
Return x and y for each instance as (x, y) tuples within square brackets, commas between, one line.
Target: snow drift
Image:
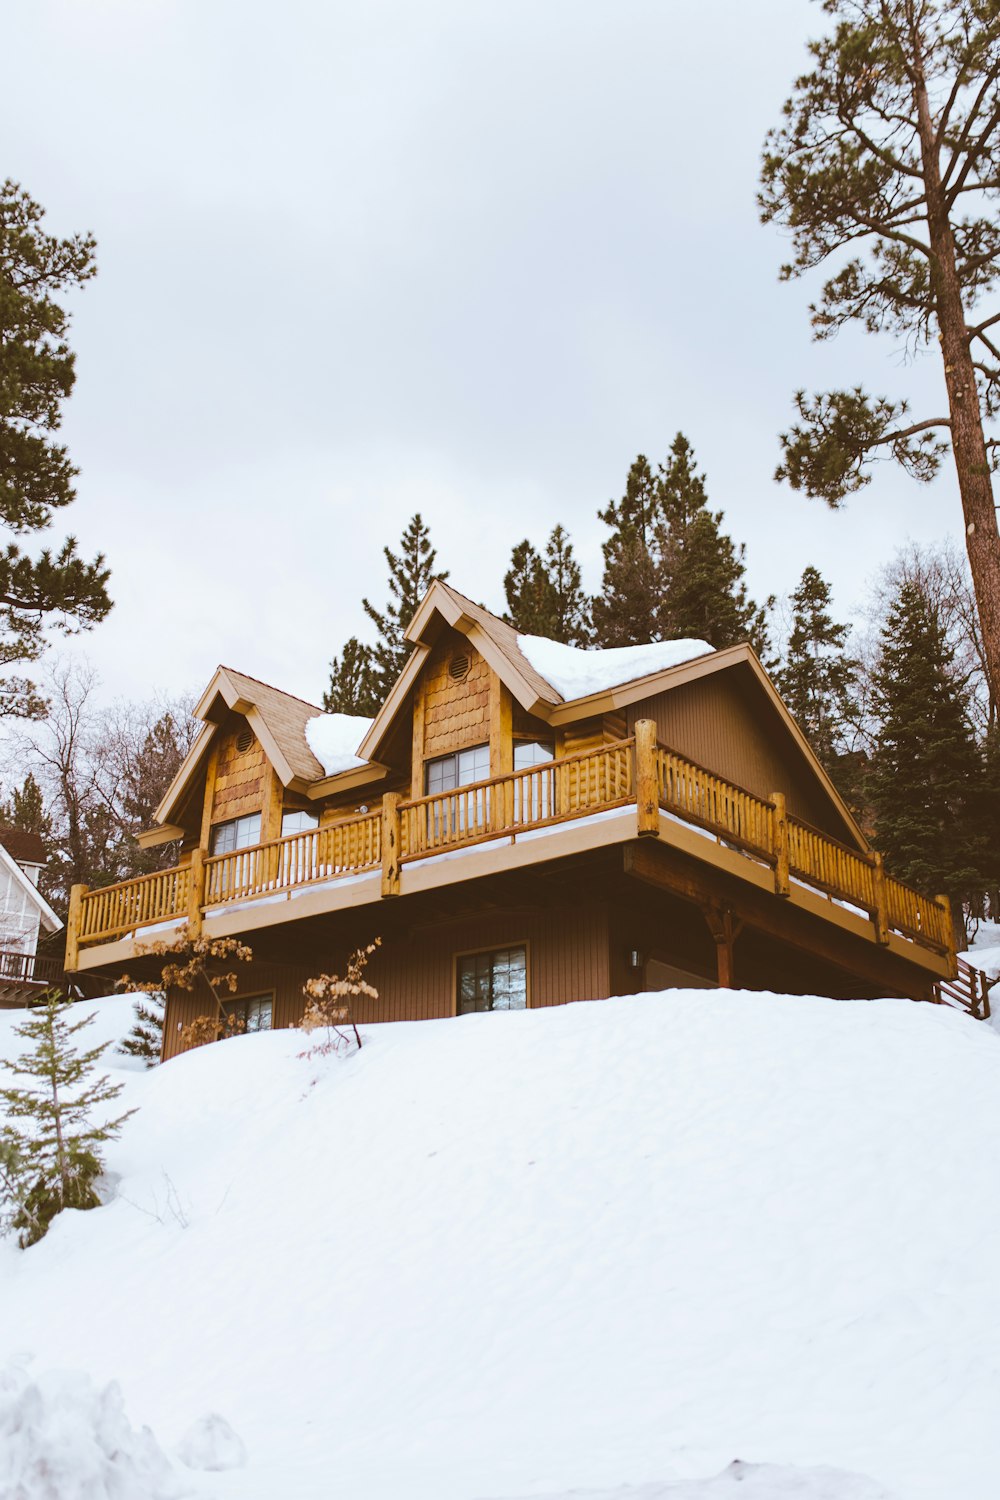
[(575, 671), (534, 1254)]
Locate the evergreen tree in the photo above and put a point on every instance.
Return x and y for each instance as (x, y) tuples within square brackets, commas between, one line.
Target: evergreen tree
[(411, 574), (37, 373), (702, 590), (926, 784), (816, 677), (625, 612), (570, 606), (352, 688), (57, 1147), (887, 160), (528, 592), (145, 1040), (670, 571), (26, 809), (546, 597)]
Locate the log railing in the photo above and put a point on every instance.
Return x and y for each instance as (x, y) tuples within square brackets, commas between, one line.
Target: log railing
[(635, 771), (593, 781), (301, 859), (143, 902)]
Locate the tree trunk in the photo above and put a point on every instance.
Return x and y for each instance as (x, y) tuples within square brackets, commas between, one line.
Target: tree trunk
[(968, 441)]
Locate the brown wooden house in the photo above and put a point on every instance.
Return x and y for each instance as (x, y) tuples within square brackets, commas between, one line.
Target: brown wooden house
[(515, 845)]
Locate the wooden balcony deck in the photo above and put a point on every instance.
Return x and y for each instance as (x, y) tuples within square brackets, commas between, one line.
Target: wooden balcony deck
[(635, 772)]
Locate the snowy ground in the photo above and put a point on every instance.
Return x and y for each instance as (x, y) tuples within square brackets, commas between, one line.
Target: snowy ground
[(551, 1253)]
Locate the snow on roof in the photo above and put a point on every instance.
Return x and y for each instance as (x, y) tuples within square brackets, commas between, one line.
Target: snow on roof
[(333, 739), (575, 673)]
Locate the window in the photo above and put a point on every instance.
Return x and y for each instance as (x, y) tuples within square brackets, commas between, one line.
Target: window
[(251, 1014), (447, 774), (534, 796), (532, 753), (492, 981), (450, 771), (238, 833), (297, 822)]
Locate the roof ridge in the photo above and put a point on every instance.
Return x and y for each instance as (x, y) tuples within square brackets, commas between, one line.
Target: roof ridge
[(475, 603), (271, 687)]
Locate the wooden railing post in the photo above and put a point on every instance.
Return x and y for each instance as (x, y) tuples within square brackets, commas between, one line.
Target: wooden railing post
[(949, 933), (196, 893), (782, 884), (391, 839), (73, 918), (881, 914), (647, 789)]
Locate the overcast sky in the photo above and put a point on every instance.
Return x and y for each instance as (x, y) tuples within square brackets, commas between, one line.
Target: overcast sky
[(360, 259)]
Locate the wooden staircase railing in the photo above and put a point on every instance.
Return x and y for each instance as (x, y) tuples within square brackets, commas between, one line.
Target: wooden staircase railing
[(969, 991)]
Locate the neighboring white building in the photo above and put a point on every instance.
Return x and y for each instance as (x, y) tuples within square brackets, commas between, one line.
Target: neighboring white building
[(24, 915)]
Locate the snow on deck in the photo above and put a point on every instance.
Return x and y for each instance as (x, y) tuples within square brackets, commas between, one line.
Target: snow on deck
[(575, 672), (622, 1243)]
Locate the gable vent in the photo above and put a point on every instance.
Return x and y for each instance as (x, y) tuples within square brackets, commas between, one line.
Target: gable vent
[(458, 668), (244, 740)]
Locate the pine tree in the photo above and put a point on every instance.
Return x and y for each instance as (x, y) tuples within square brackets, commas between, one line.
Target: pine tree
[(703, 595), (625, 611), (526, 586), (352, 688), (145, 1040), (57, 1148), (411, 574), (570, 604), (36, 477), (816, 677), (887, 161), (26, 809), (670, 572), (546, 597), (926, 784)]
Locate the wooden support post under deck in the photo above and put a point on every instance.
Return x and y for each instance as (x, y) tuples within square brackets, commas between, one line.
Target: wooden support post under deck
[(196, 893), (949, 928), (725, 928), (781, 877), (76, 895), (647, 789), (881, 905), (390, 844)]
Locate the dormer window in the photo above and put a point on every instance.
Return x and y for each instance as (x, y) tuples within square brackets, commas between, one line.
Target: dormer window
[(298, 821), (238, 833)]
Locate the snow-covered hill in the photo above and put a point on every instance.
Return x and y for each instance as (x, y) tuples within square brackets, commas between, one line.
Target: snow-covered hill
[(623, 1243)]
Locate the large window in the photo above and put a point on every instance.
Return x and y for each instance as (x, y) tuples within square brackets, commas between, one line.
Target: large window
[(529, 753), (238, 833), (297, 822), (492, 981), (450, 771), (534, 796), (253, 1013)]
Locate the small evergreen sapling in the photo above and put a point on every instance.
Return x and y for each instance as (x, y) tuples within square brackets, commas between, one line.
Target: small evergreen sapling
[(52, 1159), (145, 1040)]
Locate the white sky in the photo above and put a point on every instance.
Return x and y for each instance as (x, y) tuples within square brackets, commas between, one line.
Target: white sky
[(359, 259)]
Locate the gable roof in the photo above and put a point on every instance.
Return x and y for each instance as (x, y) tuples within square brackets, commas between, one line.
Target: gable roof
[(279, 719), (26, 847), (46, 915)]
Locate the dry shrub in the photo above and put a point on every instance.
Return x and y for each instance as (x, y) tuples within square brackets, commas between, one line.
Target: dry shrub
[(329, 998), (189, 961), (205, 1029)]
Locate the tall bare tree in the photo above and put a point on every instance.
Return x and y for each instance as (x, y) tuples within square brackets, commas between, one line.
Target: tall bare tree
[(890, 152)]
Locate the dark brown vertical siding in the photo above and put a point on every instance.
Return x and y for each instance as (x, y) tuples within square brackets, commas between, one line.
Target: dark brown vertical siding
[(568, 959), (717, 724)]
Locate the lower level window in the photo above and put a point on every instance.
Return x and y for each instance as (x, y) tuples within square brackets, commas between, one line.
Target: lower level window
[(252, 1014), (493, 981)]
